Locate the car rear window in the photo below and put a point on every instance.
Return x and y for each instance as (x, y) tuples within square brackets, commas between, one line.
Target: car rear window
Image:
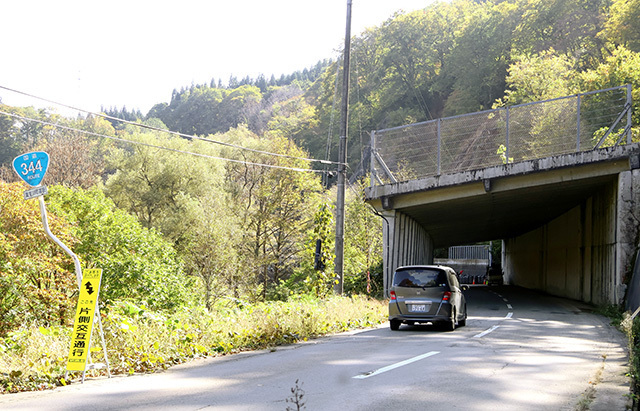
[(419, 278)]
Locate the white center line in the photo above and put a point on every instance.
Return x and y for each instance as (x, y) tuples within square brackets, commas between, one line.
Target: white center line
[(482, 334), (396, 365)]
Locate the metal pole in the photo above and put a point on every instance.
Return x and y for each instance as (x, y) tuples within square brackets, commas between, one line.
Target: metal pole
[(78, 267), (342, 154), (578, 108), (372, 167), (506, 149), (45, 223), (629, 117), (439, 138)]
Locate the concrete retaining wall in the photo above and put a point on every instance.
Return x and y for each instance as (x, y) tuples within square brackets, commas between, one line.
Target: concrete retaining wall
[(585, 253), (405, 243)]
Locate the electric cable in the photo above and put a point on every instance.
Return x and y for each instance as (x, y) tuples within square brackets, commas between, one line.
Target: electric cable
[(48, 123), (182, 135)]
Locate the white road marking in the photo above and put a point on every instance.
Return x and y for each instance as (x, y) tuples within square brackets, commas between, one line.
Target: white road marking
[(509, 306), (482, 334), (396, 365), (509, 315)]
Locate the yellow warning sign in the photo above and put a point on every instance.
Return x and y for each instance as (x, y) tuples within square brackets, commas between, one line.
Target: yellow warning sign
[(81, 338)]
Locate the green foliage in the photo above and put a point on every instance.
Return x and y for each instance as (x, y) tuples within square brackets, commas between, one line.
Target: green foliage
[(460, 57), (277, 205), (33, 358), (140, 340), (237, 231), (369, 283), (137, 262), (14, 133), (631, 327), (571, 27), (308, 279), (543, 76), (623, 25), (210, 251), (123, 113), (158, 186), (36, 276), (363, 245), (620, 68), (480, 58)]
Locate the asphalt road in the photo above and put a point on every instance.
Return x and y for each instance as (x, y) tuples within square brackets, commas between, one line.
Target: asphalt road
[(519, 351)]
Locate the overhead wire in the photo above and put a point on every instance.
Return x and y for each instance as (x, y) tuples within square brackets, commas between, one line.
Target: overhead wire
[(48, 123), (332, 121), (158, 129)]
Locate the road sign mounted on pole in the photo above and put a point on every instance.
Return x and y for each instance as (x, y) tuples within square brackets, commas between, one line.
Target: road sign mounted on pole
[(31, 167), (79, 352), (35, 192)]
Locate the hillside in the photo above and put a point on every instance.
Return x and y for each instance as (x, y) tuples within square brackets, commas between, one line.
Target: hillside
[(451, 58)]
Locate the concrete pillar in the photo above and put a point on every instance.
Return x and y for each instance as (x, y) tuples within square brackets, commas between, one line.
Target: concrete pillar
[(405, 242)]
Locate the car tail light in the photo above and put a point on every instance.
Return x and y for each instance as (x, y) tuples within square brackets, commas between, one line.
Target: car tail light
[(446, 296), (393, 295)]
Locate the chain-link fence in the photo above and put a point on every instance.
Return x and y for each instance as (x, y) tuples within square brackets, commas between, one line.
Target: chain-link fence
[(506, 135)]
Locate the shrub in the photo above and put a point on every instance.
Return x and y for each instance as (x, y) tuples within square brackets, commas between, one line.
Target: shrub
[(36, 276), (137, 262), (139, 340)]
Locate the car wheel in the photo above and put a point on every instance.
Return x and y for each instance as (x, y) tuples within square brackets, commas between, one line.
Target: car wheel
[(463, 322), (394, 325), (451, 324)]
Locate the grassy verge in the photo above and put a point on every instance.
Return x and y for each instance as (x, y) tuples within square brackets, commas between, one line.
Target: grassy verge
[(631, 327), (140, 341)]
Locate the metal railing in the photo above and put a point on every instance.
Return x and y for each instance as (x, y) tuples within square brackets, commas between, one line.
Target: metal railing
[(564, 125), (470, 252)]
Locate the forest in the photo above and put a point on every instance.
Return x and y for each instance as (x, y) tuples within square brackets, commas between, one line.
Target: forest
[(217, 198)]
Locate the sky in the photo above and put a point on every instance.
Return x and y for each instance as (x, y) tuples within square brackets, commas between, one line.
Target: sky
[(93, 53)]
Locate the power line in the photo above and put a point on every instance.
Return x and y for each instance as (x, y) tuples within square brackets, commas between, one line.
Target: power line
[(48, 123), (187, 136)]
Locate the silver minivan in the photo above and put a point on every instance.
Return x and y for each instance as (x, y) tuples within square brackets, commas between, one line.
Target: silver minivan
[(427, 294)]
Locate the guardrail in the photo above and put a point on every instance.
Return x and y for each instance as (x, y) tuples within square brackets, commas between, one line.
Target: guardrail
[(564, 125)]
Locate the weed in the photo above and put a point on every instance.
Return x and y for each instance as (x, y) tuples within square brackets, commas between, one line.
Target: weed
[(140, 341), (297, 395)]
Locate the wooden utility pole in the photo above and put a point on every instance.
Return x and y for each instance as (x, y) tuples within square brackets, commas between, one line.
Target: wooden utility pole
[(342, 159)]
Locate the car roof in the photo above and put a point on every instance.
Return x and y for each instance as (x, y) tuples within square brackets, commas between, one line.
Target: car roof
[(428, 266)]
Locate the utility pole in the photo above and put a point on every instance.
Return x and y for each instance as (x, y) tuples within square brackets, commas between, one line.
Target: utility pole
[(342, 159)]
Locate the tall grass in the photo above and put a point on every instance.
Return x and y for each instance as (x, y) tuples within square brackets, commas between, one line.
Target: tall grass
[(138, 340)]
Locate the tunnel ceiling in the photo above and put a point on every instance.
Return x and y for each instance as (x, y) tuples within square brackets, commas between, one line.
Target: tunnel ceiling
[(503, 214)]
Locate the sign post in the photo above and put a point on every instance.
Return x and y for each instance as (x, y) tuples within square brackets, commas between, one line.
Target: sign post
[(79, 352), (31, 168)]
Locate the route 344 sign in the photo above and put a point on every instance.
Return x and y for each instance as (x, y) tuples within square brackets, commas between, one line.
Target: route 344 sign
[(31, 167)]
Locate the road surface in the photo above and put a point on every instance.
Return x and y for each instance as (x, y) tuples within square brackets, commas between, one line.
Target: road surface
[(520, 350)]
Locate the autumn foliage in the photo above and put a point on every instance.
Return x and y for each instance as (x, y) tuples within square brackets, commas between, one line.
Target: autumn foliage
[(37, 278)]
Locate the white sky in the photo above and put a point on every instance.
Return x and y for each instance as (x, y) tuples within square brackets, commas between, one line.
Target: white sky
[(133, 53)]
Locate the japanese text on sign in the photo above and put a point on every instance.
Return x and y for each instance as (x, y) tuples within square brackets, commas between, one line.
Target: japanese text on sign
[(81, 338)]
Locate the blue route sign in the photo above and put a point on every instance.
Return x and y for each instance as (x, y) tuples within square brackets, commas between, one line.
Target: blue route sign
[(31, 167)]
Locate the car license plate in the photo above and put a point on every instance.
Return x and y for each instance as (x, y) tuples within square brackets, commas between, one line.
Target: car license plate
[(418, 308)]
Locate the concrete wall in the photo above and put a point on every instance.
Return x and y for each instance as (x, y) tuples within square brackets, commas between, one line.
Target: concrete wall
[(627, 234), (405, 243), (585, 253)]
